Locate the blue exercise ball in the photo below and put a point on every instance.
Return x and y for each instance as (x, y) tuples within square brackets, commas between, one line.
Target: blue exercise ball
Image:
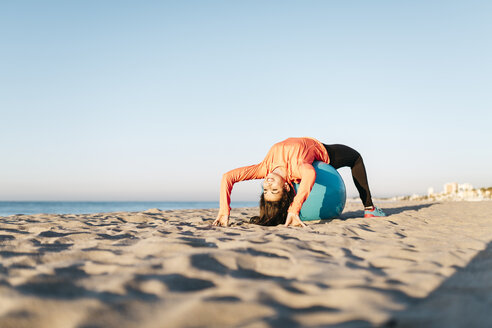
[(328, 196)]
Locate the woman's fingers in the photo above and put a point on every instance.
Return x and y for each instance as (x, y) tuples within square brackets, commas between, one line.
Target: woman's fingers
[(288, 220), (216, 222), (294, 220), (298, 223), (222, 220)]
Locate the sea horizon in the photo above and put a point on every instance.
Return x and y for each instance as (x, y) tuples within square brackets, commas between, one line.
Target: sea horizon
[(29, 207), (18, 207)]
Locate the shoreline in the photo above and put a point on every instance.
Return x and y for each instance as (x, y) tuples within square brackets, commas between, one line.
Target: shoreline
[(155, 268), (95, 207), (140, 208)]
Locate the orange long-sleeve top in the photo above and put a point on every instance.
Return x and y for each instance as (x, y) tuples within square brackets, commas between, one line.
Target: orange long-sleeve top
[(294, 155)]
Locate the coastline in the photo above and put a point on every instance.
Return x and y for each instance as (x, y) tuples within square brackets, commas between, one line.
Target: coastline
[(8, 208), (172, 268)]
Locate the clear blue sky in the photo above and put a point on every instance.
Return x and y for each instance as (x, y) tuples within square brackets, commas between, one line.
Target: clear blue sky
[(155, 100)]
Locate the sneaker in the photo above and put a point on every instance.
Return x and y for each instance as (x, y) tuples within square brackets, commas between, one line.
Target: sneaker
[(375, 212)]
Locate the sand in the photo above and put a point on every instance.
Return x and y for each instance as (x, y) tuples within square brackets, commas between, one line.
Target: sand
[(425, 265)]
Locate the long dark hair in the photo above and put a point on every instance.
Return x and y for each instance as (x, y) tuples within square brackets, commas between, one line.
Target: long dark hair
[(274, 213)]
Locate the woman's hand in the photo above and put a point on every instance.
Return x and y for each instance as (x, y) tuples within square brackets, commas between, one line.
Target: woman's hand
[(294, 220), (222, 220)]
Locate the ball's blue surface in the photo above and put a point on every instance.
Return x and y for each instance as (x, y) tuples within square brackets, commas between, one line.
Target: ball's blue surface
[(328, 196)]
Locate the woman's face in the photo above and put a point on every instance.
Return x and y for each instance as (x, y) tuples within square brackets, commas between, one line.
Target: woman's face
[(273, 187)]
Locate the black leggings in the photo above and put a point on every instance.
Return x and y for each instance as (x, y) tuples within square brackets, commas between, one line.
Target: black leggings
[(340, 156)]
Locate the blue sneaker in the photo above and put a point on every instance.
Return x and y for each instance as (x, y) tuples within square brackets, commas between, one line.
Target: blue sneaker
[(376, 212)]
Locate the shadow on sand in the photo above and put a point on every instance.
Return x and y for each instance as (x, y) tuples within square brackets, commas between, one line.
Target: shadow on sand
[(389, 211), (462, 300)]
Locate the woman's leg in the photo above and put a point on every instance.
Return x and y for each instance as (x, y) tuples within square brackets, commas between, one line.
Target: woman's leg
[(341, 156)]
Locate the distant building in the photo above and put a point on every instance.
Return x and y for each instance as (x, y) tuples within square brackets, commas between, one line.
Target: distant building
[(454, 192), (465, 187), (451, 188)]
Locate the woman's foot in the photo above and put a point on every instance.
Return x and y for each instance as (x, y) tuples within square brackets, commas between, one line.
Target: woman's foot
[(375, 212)]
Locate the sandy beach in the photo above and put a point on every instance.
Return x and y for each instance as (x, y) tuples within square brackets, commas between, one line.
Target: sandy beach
[(425, 265)]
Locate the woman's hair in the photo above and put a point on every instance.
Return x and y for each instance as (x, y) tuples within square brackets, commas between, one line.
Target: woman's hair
[(274, 213)]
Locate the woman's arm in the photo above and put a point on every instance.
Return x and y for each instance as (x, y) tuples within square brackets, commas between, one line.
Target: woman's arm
[(308, 176), (228, 180)]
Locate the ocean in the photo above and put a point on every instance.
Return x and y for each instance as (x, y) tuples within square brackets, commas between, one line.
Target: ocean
[(50, 207)]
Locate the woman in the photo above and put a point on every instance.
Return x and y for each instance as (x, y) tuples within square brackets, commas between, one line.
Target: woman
[(291, 161)]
